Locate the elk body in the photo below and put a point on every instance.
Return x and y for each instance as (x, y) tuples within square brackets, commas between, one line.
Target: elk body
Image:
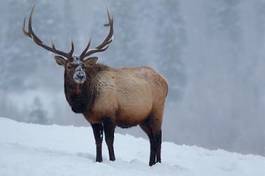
[(110, 97)]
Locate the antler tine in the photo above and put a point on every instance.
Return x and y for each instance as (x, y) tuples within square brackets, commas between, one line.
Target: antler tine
[(85, 50), (72, 49), (30, 30), (108, 39), (105, 44), (30, 33), (24, 30)]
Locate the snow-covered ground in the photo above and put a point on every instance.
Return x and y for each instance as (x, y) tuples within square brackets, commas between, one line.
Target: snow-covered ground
[(36, 150)]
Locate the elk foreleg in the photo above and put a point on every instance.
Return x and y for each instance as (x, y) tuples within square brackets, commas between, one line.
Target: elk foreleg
[(98, 135), (109, 128)]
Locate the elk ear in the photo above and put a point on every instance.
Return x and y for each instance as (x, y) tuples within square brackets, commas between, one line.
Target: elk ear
[(59, 60), (90, 61)]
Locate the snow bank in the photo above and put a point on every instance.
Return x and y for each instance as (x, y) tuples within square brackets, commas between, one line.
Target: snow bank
[(29, 149)]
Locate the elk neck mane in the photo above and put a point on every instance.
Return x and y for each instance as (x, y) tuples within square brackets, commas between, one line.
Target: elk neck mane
[(82, 97)]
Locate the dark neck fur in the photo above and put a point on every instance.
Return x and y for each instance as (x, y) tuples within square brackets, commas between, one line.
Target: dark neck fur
[(82, 97)]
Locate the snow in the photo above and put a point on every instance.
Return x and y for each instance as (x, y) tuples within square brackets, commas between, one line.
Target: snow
[(30, 149)]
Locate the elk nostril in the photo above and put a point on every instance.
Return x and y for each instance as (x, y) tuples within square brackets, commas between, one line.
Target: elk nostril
[(80, 76)]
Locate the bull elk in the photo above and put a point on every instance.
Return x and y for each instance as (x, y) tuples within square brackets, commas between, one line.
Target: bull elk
[(110, 97)]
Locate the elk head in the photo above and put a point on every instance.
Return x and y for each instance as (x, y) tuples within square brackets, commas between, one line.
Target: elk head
[(75, 66)]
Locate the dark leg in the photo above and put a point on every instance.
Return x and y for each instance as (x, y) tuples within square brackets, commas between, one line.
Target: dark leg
[(155, 141), (158, 147), (109, 128), (152, 159), (98, 134), (148, 131)]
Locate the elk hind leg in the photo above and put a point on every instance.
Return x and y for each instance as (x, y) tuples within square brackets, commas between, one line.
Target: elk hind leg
[(154, 135), (109, 128), (158, 139)]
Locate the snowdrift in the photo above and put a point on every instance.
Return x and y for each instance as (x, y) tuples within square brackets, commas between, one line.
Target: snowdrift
[(37, 150)]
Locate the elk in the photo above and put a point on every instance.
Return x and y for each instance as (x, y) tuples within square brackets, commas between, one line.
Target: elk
[(110, 97)]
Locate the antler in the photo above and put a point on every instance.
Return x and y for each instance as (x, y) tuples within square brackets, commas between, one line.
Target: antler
[(103, 45), (38, 41)]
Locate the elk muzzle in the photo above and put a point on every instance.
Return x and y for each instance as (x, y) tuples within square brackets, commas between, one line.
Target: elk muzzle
[(79, 75)]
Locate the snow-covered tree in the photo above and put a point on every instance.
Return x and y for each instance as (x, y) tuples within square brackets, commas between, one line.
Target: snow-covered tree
[(38, 114)]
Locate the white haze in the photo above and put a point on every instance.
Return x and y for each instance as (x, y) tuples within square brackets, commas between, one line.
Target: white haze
[(211, 52)]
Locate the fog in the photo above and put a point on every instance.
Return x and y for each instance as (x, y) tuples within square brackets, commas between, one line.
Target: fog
[(212, 52)]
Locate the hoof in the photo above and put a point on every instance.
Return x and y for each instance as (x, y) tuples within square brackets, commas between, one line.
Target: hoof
[(112, 158), (99, 160), (151, 163)]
